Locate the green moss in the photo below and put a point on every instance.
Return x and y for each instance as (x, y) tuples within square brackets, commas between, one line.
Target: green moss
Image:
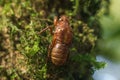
[(25, 19)]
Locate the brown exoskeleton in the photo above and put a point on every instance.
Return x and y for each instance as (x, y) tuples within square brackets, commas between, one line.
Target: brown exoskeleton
[(62, 37)]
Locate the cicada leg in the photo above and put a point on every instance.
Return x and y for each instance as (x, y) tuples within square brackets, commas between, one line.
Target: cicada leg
[(49, 51), (47, 28)]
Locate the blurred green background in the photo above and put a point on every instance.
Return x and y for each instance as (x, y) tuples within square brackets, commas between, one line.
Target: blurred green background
[(111, 32)]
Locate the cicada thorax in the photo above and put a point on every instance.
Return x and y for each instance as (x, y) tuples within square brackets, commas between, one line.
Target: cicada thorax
[(59, 54)]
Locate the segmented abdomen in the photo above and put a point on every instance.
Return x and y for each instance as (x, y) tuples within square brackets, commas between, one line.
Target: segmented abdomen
[(59, 54)]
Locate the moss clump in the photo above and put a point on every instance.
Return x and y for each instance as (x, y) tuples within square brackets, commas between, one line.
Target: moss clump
[(23, 52)]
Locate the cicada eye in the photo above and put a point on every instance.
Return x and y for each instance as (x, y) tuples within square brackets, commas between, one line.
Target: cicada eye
[(60, 19)]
